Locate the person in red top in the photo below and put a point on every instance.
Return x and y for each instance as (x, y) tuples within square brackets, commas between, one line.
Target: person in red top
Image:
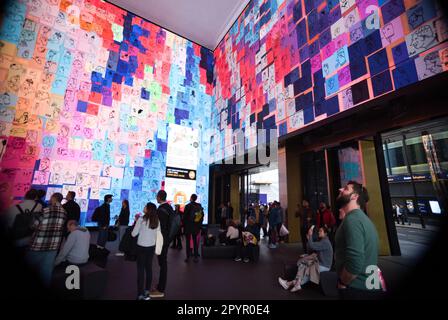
[(325, 217)]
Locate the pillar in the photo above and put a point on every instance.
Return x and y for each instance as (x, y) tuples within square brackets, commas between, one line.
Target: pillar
[(235, 195), (371, 181)]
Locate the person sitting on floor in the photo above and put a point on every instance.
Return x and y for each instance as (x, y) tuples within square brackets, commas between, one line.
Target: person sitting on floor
[(232, 235), (76, 247), (251, 236), (322, 250)]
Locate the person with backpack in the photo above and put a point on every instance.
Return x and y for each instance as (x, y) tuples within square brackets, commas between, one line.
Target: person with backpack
[(193, 217), (47, 239), (145, 230), (21, 219), (101, 215), (167, 217)]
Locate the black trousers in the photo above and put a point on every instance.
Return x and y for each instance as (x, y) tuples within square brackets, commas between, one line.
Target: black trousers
[(144, 265), (195, 244), (243, 251), (303, 232), (163, 264), (177, 241)]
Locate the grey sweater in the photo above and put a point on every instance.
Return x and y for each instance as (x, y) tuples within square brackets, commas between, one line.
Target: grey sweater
[(76, 248), (324, 251)]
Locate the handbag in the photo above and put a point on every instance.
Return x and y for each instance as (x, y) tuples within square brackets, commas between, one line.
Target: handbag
[(159, 242), (98, 255), (283, 231)]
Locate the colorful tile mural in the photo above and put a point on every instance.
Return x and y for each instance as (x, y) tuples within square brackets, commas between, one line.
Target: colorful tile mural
[(285, 64), (86, 93)]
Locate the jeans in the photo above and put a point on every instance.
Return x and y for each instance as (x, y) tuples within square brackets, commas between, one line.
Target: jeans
[(144, 264), (43, 263), (102, 236), (195, 244), (163, 263), (307, 278)]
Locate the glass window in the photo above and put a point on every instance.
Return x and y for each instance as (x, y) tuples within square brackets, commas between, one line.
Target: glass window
[(396, 157), (441, 145), (417, 155)]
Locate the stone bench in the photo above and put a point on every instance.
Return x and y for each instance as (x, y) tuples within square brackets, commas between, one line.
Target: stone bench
[(224, 252), (93, 281)]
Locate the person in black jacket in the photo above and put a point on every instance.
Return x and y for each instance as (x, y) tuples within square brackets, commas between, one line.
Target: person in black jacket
[(102, 217), (122, 222), (164, 211), (71, 207), (192, 226)]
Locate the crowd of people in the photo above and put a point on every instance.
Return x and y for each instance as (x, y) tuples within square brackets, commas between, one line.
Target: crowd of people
[(48, 235)]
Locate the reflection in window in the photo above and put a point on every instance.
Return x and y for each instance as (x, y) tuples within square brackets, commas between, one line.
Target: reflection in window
[(417, 155), (396, 158), (441, 145)]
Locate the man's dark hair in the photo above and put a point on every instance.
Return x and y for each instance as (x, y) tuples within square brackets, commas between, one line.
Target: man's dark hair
[(194, 197), (72, 194), (363, 196), (41, 193), (161, 195), (31, 194), (107, 197), (58, 196)]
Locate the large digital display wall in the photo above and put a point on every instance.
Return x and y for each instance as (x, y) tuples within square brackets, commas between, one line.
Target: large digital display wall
[(87, 91), (288, 63)]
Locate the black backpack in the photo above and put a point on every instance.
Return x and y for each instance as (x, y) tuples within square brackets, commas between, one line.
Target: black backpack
[(174, 222), (23, 223)]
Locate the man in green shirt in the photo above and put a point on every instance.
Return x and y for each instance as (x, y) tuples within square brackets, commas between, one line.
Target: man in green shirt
[(356, 254)]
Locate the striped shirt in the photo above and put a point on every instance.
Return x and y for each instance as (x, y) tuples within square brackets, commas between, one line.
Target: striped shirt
[(50, 228)]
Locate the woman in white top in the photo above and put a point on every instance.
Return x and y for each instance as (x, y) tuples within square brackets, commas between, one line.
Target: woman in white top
[(146, 229)]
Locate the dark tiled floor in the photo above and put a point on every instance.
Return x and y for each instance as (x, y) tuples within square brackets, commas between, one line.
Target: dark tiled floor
[(221, 279), (214, 279)]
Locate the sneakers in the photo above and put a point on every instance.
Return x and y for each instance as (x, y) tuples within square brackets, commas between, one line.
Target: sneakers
[(246, 260), (238, 259), (156, 294), (143, 297), (283, 283), (119, 254), (272, 246), (296, 287)]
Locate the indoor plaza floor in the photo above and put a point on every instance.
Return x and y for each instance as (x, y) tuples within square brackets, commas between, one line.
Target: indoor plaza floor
[(225, 279)]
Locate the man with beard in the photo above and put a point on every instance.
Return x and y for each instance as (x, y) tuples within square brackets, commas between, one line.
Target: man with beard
[(356, 245)]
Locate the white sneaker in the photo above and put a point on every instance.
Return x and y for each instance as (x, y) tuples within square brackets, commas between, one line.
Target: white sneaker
[(283, 283), (296, 287), (119, 254)]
